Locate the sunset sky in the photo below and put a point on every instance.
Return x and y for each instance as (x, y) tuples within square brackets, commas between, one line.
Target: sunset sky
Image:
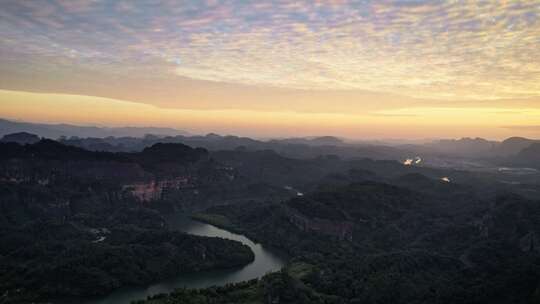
[(358, 69)]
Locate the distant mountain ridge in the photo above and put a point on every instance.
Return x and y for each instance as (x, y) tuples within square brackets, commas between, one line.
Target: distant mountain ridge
[(475, 147), (55, 131), (134, 139), (514, 145), (529, 156), (21, 138), (312, 141), (464, 146)]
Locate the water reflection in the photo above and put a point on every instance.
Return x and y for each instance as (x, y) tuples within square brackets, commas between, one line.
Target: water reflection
[(265, 262)]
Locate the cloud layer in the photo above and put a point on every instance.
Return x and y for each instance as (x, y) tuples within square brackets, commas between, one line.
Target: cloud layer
[(434, 50)]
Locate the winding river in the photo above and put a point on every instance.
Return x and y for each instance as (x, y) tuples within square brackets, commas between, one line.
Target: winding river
[(265, 262)]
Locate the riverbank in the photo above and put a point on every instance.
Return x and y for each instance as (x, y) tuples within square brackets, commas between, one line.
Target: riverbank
[(265, 261), (217, 220)]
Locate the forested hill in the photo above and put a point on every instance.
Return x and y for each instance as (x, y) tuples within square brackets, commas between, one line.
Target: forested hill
[(77, 223), (47, 149), (358, 231), (378, 243)]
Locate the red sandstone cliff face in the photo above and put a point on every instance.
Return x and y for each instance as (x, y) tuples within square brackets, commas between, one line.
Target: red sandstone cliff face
[(154, 190), (145, 192)]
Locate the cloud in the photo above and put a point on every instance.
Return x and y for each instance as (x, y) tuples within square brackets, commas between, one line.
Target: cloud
[(392, 115), (524, 127), (439, 50)]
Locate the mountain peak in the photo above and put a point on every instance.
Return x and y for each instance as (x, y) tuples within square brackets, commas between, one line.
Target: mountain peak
[(22, 138)]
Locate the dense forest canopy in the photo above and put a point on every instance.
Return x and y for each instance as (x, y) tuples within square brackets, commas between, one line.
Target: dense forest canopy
[(77, 223)]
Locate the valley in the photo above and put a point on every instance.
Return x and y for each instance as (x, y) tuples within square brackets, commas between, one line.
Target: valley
[(264, 262), (114, 227)]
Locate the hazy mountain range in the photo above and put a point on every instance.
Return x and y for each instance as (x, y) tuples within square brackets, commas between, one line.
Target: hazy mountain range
[(55, 131), (514, 151)]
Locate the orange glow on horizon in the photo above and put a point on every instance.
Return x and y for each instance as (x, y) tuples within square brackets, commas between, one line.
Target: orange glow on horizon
[(419, 122)]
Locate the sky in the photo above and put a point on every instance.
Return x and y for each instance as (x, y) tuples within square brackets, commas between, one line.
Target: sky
[(358, 69)]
